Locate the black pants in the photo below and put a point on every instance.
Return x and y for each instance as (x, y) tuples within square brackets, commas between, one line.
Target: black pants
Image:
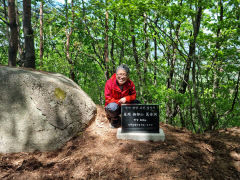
[(113, 110)]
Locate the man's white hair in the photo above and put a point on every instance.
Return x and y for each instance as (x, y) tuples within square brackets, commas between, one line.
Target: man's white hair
[(123, 67)]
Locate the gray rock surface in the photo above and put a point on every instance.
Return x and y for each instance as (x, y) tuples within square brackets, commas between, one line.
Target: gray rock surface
[(40, 111)]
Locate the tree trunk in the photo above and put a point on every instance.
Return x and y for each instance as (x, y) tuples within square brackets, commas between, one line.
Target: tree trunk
[(155, 62), (191, 109), (28, 35), (155, 54), (112, 48), (122, 52), (195, 92), (196, 27), (106, 59), (41, 33), (213, 120), (196, 24), (172, 58), (20, 45), (146, 51), (68, 33), (6, 17), (13, 40), (135, 54)]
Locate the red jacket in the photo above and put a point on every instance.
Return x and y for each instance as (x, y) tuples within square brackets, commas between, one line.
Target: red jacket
[(113, 93)]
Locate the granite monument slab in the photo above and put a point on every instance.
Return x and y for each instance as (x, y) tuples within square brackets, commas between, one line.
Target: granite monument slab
[(140, 122)]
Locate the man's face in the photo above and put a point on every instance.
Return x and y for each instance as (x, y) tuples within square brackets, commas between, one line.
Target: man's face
[(121, 76)]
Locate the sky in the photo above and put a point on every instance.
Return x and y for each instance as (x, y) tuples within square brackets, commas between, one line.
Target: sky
[(61, 1)]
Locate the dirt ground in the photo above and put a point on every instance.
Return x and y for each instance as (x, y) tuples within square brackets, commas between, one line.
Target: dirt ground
[(97, 154)]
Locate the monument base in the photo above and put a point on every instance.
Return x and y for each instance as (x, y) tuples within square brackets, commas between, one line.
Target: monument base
[(141, 136)]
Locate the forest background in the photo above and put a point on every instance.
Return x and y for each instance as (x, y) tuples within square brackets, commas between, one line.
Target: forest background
[(183, 54)]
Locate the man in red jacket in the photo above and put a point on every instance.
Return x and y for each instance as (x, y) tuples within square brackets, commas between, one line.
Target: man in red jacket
[(119, 89)]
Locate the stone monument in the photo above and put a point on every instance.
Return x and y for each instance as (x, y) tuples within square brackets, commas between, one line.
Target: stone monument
[(140, 122)]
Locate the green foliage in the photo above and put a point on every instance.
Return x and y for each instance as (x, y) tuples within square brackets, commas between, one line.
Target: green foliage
[(168, 23)]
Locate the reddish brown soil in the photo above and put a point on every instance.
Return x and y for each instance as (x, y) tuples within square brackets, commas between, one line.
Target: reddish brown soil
[(97, 154)]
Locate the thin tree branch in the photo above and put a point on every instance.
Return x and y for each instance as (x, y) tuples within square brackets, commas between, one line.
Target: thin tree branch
[(4, 21), (183, 54), (94, 58), (235, 97)]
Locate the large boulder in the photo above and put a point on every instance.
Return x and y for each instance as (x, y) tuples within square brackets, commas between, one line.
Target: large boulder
[(40, 111)]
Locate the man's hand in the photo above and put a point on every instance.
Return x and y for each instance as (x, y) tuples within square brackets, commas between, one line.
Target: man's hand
[(122, 100)]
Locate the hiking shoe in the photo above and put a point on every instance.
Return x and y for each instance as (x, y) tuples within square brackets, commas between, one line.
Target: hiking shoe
[(111, 126), (115, 122)]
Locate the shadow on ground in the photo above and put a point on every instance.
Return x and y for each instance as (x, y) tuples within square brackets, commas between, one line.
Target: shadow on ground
[(97, 154)]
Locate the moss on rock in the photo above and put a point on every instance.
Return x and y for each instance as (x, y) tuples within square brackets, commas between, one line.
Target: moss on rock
[(60, 94)]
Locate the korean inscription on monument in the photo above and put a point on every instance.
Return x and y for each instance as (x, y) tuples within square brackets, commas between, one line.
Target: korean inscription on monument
[(140, 118)]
